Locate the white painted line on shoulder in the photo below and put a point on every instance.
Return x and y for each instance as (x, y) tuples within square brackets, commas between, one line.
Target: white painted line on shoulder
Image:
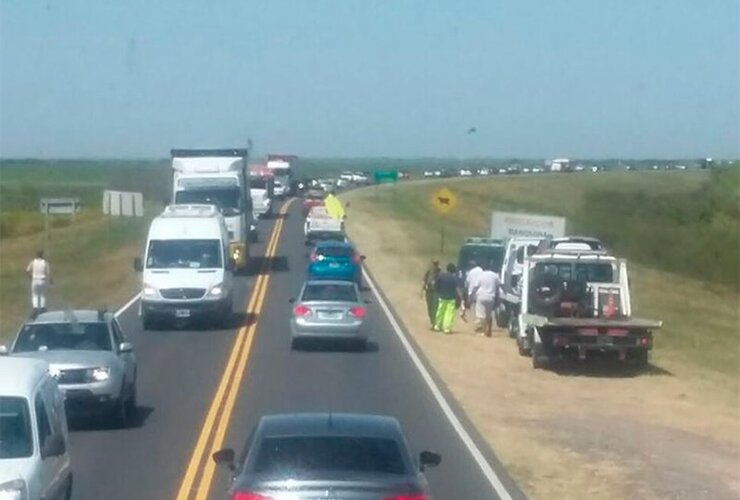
[(485, 467), (127, 305)]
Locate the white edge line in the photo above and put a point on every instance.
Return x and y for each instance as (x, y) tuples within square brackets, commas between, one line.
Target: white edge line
[(127, 305), (485, 467)]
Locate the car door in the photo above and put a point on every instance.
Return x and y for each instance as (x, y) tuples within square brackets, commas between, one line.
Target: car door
[(128, 359), (52, 470)]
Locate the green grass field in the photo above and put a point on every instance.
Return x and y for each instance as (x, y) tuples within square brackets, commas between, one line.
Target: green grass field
[(678, 229), (90, 254)]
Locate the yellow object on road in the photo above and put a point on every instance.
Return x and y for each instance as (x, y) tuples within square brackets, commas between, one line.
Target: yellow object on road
[(334, 207)]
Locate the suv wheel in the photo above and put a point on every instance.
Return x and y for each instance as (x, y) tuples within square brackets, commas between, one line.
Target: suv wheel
[(119, 413), (147, 321)]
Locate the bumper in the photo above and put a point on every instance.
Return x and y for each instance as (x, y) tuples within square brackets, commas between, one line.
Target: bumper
[(90, 398), (183, 308), (327, 331), (239, 252)]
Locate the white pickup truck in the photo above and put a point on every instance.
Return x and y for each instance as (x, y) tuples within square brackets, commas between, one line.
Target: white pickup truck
[(320, 225), (575, 303)]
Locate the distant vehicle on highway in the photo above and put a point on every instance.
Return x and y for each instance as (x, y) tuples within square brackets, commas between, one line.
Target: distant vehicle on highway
[(335, 260), (34, 460), (261, 189), (309, 454), (319, 225), (187, 270), (89, 355), (328, 310), (283, 168)]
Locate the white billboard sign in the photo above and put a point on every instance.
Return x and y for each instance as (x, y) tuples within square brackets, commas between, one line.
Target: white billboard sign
[(506, 225)]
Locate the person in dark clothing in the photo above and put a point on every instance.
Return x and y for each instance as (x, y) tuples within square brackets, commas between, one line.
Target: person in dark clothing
[(429, 290), (448, 292)]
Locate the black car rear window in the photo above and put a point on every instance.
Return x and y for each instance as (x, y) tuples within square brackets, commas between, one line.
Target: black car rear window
[(329, 292), (295, 455), (335, 251)]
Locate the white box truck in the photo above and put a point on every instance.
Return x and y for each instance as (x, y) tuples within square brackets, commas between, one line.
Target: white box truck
[(218, 177), (186, 270)]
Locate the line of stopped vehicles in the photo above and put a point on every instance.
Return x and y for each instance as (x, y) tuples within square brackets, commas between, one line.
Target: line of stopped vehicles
[(81, 364)]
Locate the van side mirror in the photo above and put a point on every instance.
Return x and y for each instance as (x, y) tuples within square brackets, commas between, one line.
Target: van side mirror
[(124, 347), (225, 456), (138, 265), (53, 446), (429, 459)]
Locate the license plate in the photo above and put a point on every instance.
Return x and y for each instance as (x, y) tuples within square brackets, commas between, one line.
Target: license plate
[(330, 315), (604, 340), (334, 264), (182, 313)]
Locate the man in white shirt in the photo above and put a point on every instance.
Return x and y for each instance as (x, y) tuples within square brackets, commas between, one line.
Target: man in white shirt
[(486, 292), (40, 273), (470, 280)]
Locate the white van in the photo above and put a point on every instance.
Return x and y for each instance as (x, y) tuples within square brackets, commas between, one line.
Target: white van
[(186, 270), (34, 462)]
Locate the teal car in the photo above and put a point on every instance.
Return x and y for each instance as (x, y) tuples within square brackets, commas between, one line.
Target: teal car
[(335, 260)]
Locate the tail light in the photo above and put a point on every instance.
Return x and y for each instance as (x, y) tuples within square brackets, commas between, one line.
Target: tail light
[(357, 312), (301, 311), (246, 495), (408, 497), (313, 257)]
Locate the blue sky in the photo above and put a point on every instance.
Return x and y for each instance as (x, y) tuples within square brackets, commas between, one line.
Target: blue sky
[(575, 78)]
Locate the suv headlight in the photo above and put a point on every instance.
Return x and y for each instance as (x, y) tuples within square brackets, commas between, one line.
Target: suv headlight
[(149, 291), (13, 490), (99, 374), (216, 290)]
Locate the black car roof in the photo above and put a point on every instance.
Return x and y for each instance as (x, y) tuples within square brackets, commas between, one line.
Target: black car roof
[(329, 424)]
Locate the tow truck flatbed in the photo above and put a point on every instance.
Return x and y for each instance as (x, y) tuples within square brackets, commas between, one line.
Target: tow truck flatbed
[(544, 321)]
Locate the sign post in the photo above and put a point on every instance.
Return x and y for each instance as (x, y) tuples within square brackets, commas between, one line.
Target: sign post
[(444, 202)]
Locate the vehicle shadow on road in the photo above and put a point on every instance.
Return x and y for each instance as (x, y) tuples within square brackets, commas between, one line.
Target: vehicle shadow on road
[(278, 264), (606, 369), (101, 423), (321, 346)]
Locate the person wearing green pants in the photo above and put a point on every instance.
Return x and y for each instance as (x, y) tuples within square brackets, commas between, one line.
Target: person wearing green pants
[(447, 293)]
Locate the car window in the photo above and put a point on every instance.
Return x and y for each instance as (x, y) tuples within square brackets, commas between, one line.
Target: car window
[(334, 251), (16, 439), (64, 336), (42, 420), (192, 254), (329, 292), (299, 455)]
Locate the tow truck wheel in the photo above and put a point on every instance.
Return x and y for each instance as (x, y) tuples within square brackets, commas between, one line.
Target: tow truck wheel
[(540, 359), (640, 359), (523, 346), (502, 317)]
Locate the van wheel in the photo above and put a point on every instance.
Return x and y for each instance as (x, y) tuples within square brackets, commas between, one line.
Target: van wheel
[(132, 406)]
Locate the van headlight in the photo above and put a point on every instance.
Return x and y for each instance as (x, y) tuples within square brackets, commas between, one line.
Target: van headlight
[(14, 490), (149, 291), (99, 374), (217, 290)]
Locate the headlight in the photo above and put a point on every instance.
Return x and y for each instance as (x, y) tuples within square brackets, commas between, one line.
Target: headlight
[(13, 490), (217, 290), (99, 374), (149, 291)]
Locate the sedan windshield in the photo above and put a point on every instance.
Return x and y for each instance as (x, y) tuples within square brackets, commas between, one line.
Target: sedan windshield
[(64, 337), (15, 431), (228, 199), (192, 254), (301, 455), (329, 292)]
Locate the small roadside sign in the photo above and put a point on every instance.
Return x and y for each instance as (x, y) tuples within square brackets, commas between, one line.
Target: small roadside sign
[(382, 176), (506, 225), (443, 201)]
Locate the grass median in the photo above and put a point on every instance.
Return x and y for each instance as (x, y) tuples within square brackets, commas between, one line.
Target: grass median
[(582, 435)]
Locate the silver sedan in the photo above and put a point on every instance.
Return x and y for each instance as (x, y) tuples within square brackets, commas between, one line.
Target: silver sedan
[(328, 310)]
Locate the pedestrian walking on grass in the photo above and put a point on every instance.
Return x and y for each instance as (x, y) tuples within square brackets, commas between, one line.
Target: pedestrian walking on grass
[(486, 292), (40, 273), (430, 291), (447, 292)]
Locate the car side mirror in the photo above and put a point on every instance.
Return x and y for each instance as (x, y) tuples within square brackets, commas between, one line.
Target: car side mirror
[(3, 350), (225, 456), (125, 347), (138, 265), (429, 459), (53, 446)]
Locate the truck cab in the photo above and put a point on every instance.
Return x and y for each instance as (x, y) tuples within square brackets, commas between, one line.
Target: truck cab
[(577, 302), (218, 177)]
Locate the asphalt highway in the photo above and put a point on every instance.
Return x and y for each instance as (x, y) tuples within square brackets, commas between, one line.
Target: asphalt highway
[(201, 389)]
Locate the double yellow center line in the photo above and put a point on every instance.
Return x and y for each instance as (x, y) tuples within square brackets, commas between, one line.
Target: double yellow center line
[(214, 428)]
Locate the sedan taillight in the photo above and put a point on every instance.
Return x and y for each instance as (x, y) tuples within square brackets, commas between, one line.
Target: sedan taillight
[(418, 496), (357, 312), (247, 495), (301, 311)]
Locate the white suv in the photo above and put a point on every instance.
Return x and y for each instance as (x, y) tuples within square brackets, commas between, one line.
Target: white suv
[(34, 462)]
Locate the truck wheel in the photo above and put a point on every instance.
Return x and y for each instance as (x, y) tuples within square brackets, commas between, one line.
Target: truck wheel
[(540, 358), (640, 359), (502, 317), (523, 347)]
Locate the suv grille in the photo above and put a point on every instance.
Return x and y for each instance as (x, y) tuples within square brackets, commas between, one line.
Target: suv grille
[(73, 376), (183, 293)]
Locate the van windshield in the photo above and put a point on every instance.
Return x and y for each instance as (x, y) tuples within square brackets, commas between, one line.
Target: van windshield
[(228, 199), (191, 254), (15, 430)]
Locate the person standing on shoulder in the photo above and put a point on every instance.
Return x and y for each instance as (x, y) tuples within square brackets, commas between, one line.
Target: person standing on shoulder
[(486, 292), (40, 274), (471, 278), (430, 292), (447, 293)]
